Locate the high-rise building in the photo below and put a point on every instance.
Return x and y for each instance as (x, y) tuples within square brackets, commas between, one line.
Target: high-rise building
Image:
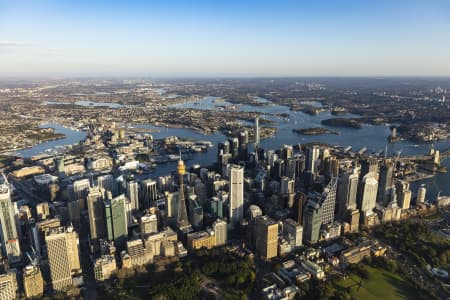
[(96, 213), (116, 221), (403, 194), (347, 191), (182, 217), (8, 285), (312, 220), (63, 257), (421, 194), (257, 134), (328, 201), (295, 230), (108, 183), (300, 202), (80, 189), (386, 182), (287, 185), (236, 200), (266, 237), (33, 283), (369, 189), (220, 231), (369, 165), (149, 224), (234, 147), (149, 193), (313, 159), (133, 194), (9, 236)]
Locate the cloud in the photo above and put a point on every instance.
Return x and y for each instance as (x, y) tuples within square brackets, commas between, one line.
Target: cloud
[(12, 44)]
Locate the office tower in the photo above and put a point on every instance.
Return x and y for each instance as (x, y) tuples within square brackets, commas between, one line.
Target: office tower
[(61, 167), (95, 212), (287, 185), (295, 230), (369, 166), (182, 217), (116, 221), (200, 191), (108, 183), (279, 169), (369, 189), (257, 134), (80, 189), (74, 213), (290, 167), (223, 148), (300, 202), (148, 224), (385, 183), (220, 231), (421, 193), (133, 194), (234, 147), (149, 193), (63, 257), (243, 145), (331, 166), (328, 202), (312, 220), (253, 212), (10, 238), (313, 159), (266, 237), (42, 210), (403, 194), (33, 283), (195, 213), (8, 285), (346, 192), (171, 200), (236, 200), (216, 207), (286, 152)]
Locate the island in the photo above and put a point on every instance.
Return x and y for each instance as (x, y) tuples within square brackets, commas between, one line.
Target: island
[(342, 122), (314, 131)]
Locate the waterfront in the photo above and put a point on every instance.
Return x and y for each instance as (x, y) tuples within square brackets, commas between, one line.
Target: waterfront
[(374, 137)]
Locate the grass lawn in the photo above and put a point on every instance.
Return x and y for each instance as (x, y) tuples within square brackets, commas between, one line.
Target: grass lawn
[(381, 284)]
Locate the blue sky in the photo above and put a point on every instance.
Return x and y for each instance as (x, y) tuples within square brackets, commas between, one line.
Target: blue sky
[(225, 38)]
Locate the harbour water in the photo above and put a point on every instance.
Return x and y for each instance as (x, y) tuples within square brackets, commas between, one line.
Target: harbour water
[(373, 137)]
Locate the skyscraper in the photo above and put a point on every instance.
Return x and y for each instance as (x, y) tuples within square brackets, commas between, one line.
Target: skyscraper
[(63, 257), (313, 159), (385, 183), (369, 189), (133, 194), (328, 202), (421, 193), (108, 183), (312, 220), (8, 286), (257, 134), (116, 220), (182, 217), (80, 189), (149, 193), (236, 201), (220, 231), (96, 212), (10, 238), (346, 193), (266, 234)]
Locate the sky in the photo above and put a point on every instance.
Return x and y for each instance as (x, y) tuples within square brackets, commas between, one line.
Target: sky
[(225, 38)]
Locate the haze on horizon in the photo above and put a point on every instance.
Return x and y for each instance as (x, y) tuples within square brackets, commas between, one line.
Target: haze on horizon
[(225, 38)]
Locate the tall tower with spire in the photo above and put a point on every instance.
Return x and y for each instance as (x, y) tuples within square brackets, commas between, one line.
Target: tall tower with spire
[(182, 219)]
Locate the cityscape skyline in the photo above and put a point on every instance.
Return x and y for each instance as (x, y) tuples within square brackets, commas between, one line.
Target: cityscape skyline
[(224, 39)]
